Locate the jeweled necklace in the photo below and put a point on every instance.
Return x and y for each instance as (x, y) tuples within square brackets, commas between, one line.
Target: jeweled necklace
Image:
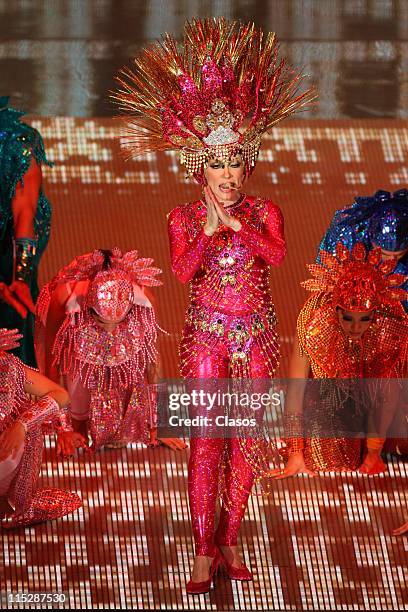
[(233, 205), (237, 203)]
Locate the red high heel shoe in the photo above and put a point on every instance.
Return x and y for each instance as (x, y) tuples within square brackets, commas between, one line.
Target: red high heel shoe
[(236, 573), (198, 588)]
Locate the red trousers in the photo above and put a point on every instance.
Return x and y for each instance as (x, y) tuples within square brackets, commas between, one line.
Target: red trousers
[(219, 461)]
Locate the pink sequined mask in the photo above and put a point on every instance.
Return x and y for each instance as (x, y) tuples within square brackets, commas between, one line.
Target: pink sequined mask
[(111, 295)]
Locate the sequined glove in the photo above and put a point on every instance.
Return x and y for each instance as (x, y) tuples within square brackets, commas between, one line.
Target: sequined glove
[(294, 433), (9, 339), (46, 413), (24, 253), (375, 444)]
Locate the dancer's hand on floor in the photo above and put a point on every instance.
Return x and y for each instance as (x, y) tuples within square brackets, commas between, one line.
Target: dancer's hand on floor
[(295, 465), (68, 441), (173, 443), (401, 530), (11, 440), (372, 464)]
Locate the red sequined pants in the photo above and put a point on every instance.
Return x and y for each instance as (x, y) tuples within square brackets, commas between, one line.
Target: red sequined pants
[(209, 457)]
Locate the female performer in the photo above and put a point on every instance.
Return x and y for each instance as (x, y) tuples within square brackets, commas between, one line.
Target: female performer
[(97, 327), (212, 101), (353, 327), (21, 440), (25, 215), (380, 220)]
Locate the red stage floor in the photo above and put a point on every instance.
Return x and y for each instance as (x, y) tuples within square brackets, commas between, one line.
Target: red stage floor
[(316, 544)]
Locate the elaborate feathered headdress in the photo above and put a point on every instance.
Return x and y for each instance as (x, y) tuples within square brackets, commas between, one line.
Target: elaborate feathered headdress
[(357, 280), (114, 288), (213, 96), (139, 270), (115, 282)]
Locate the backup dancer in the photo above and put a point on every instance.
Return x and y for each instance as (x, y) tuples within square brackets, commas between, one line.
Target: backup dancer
[(97, 327), (352, 327), (380, 221), (25, 216), (22, 425)]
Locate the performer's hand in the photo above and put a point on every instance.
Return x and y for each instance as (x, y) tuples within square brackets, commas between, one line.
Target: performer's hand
[(11, 440), (372, 464), (7, 296), (68, 441), (153, 441), (401, 530), (295, 465), (173, 443), (9, 339), (21, 291), (212, 222), (225, 218)]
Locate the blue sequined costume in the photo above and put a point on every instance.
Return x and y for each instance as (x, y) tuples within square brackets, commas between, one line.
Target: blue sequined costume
[(19, 144), (380, 220)]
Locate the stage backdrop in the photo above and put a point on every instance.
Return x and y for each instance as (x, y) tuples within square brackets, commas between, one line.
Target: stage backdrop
[(309, 168)]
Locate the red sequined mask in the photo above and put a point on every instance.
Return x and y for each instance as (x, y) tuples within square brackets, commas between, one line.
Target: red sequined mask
[(110, 295)]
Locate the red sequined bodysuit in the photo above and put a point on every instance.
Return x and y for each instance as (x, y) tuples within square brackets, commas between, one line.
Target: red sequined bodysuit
[(229, 332)]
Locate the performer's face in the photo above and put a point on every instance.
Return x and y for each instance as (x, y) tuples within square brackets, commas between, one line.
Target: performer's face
[(385, 255), (353, 323), (107, 325), (225, 178)]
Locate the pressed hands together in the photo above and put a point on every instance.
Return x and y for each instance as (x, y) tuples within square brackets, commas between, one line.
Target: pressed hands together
[(217, 214)]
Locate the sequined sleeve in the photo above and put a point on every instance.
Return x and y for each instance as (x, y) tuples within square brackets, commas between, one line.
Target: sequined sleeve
[(46, 412), (23, 148), (270, 244), (17, 150), (12, 395), (313, 303), (186, 253)]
